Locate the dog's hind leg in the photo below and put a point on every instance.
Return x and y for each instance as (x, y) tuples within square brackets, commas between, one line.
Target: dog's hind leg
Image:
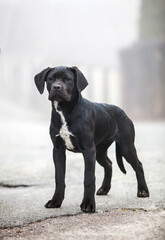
[(128, 151), (105, 162)]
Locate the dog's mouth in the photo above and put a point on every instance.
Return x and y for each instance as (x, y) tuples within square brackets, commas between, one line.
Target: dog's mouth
[(54, 96)]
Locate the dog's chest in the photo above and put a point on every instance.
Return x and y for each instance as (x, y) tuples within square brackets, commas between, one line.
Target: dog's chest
[(64, 132)]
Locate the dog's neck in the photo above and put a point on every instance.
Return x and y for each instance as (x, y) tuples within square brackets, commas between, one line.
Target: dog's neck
[(67, 107), (63, 109)]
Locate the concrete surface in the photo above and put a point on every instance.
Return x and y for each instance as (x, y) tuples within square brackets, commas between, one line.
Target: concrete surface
[(27, 173), (115, 224)]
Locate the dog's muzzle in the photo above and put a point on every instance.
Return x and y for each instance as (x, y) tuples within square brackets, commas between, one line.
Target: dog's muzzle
[(57, 87), (57, 93)]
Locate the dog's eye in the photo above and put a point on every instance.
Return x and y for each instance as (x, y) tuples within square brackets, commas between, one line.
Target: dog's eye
[(66, 79), (50, 80)]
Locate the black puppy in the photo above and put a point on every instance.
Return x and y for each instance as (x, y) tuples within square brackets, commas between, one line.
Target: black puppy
[(90, 128)]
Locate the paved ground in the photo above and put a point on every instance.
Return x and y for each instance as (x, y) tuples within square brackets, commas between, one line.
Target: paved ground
[(114, 224), (27, 182)]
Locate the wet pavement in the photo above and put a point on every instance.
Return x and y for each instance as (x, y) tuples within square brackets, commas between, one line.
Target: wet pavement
[(27, 172)]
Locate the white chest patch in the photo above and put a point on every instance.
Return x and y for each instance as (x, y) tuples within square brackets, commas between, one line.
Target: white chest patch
[(64, 132)]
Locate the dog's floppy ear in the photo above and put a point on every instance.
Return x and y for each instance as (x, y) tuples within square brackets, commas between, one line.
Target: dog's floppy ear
[(40, 79), (80, 79)]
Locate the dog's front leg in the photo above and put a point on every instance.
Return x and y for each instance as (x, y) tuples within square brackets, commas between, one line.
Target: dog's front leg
[(88, 203), (59, 162)]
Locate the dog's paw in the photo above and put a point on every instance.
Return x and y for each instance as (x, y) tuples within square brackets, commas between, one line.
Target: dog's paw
[(102, 191), (53, 204), (88, 207), (142, 193)]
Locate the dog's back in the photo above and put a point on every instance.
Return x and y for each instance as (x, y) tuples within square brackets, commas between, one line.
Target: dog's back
[(90, 128)]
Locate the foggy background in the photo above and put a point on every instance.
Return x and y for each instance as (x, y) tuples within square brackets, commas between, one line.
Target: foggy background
[(118, 45)]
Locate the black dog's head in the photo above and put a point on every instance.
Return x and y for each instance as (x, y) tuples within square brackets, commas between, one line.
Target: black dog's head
[(61, 82)]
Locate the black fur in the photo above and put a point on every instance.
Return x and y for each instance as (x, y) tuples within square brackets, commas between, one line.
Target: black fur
[(94, 127)]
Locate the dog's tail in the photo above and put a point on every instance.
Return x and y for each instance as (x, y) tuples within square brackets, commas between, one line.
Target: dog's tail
[(119, 159)]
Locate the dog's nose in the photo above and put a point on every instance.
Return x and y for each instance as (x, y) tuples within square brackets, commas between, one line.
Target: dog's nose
[(57, 87)]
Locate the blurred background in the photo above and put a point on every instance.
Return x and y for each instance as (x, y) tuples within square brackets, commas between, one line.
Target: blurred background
[(118, 45)]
